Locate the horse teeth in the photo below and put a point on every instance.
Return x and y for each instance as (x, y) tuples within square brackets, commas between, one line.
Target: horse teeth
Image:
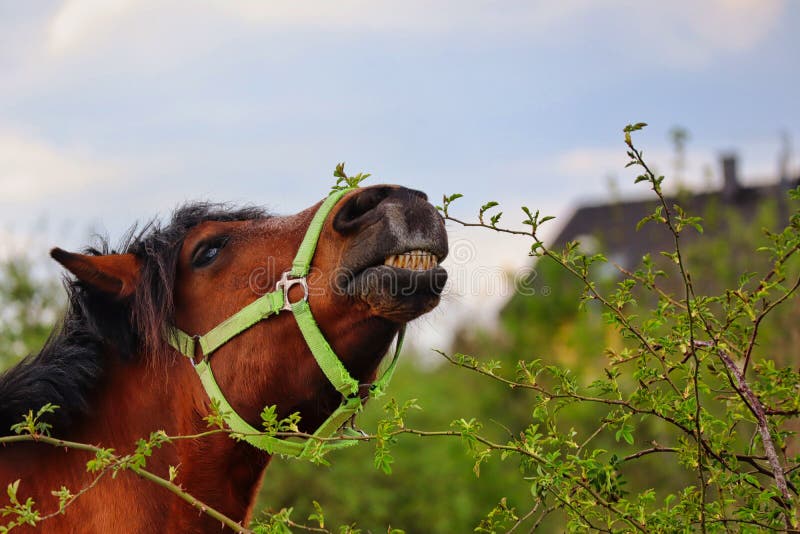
[(416, 260)]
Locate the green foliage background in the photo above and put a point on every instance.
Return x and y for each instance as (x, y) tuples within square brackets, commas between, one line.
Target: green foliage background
[(433, 487), (435, 484), (29, 308)]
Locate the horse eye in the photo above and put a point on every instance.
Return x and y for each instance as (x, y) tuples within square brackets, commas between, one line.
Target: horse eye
[(208, 252)]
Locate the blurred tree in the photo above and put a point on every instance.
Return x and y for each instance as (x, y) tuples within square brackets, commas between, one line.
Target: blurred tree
[(679, 135), (433, 488), (29, 307)]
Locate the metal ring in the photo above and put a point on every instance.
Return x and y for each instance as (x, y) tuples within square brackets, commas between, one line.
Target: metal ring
[(286, 283)]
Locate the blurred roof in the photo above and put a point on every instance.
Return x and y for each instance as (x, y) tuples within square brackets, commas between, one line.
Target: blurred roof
[(613, 225)]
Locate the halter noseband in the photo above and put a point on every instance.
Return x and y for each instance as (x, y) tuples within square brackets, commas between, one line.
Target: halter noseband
[(330, 364)]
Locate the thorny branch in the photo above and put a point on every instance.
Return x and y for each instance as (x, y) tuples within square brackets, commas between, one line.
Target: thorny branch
[(757, 408), (118, 462)]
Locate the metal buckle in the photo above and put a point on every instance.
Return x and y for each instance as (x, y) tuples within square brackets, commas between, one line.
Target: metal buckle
[(196, 346), (286, 284)]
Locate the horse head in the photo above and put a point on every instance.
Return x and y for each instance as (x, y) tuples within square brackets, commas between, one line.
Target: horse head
[(376, 267)]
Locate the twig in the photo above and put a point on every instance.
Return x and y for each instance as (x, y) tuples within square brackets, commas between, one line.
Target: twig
[(651, 450), (525, 517), (757, 409), (143, 473), (541, 517), (689, 295), (73, 498), (767, 309)]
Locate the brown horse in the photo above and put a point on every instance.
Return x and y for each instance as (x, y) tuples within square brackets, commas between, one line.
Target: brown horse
[(116, 379)]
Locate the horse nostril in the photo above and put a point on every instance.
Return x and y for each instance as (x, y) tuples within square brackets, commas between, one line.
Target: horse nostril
[(366, 201), (358, 206)]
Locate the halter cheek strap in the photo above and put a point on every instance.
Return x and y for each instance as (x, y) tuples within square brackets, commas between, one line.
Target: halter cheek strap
[(330, 364)]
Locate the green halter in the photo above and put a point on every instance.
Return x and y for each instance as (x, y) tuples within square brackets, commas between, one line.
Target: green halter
[(272, 304)]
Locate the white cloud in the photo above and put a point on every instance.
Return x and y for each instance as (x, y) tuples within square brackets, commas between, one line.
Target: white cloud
[(412, 15), (590, 161), (691, 33), (735, 24), (31, 168), (78, 21), (682, 32)]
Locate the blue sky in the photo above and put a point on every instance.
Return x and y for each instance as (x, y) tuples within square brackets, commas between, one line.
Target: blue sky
[(113, 111)]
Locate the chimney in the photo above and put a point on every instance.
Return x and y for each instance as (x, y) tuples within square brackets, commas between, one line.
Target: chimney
[(783, 162), (784, 186), (730, 184)]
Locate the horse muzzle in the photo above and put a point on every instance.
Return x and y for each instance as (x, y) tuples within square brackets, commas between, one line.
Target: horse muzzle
[(393, 262)]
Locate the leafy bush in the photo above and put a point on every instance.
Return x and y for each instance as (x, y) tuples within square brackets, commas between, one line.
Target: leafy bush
[(677, 417)]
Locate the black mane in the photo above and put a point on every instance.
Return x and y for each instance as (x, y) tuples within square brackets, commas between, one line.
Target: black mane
[(97, 327)]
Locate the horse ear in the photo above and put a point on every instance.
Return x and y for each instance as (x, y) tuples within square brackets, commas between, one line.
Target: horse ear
[(115, 274)]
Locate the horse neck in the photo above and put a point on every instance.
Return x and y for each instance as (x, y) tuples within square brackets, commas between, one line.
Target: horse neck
[(142, 397), (134, 399)]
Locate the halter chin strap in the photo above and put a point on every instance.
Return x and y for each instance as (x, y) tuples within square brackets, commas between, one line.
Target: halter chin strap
[(330, 364)]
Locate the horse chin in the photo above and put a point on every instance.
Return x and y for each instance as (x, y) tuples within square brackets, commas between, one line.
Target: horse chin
[(399, 295)]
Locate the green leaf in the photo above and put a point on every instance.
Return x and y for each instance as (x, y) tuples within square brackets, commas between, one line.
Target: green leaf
[(12, 490), (489, 205), (484, 208), (634, 127), (338, 172), (343, 181), (317, 515)]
